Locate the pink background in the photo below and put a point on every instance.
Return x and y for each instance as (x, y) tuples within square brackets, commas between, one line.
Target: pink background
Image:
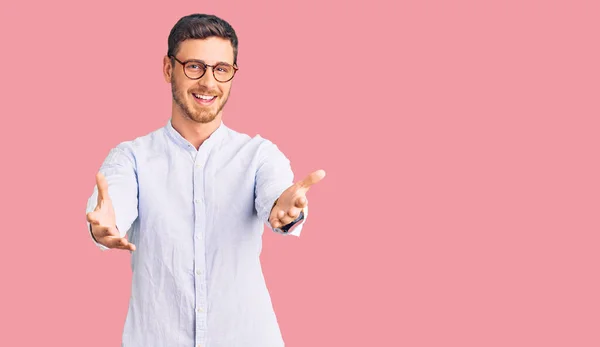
[(461, 205)]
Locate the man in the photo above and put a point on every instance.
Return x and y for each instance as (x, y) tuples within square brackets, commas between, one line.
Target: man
[(192, 199)]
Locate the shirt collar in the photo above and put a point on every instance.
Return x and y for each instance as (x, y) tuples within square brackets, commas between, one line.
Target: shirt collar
[(215, 137)]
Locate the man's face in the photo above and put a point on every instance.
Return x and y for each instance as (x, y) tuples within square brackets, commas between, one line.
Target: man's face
[(200, 100)]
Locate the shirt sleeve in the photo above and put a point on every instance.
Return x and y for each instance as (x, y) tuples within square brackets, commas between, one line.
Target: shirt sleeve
[(273, 176), (119, 169)]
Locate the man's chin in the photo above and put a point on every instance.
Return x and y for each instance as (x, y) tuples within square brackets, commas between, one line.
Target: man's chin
[(204, 117), (207, 120)]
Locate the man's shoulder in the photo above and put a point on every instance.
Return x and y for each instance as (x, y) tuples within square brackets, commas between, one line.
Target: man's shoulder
[(256, 146), (145, 140), (247, 137)]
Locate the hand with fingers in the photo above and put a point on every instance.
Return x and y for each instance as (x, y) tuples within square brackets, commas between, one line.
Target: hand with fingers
[(103, 221), (293, 200)]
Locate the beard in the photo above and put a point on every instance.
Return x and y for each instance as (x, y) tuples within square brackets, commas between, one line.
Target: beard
[(196, 112)]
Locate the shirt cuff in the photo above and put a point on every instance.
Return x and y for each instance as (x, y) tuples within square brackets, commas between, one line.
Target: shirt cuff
[(298, 229)]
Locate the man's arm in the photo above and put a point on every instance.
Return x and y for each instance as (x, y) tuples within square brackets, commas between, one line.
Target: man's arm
[(273, 177), (121, 198)]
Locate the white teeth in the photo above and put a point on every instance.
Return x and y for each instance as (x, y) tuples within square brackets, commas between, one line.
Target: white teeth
[(204, 97)]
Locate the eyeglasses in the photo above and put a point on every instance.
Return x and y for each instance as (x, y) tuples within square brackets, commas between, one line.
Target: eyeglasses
[(195, 69)]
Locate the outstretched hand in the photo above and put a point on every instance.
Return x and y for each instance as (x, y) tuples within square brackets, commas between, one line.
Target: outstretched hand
[(103, 220), (293, 200)]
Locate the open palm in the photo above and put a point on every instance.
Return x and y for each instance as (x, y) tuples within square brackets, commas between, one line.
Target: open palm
[(103, 219), (293, 200)]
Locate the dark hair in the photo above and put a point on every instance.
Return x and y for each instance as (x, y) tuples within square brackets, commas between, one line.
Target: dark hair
[(201, 26)]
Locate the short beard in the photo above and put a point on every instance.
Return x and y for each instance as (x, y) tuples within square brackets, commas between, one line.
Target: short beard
[(202, 116)]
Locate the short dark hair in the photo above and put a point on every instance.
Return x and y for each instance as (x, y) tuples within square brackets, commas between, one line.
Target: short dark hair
[(201, 26)]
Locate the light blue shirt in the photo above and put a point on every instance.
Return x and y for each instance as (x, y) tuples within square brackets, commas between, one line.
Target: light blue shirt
[(196, 218)]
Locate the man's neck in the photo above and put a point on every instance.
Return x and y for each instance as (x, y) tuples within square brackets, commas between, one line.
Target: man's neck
[(195, 133)]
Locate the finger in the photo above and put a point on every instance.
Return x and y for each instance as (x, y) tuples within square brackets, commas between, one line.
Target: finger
[(286, 220), (112, 231), (274, 217), (126, 245), (293, 213), (300, 202), (92, 218), (275, 222), (289, 216), (118, 242), (104, 231), (311, 179), (102, 187)]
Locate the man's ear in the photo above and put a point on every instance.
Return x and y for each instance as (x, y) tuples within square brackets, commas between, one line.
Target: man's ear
[(167, 69)]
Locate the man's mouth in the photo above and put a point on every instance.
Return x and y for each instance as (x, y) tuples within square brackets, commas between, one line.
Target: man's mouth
[(204, 99)]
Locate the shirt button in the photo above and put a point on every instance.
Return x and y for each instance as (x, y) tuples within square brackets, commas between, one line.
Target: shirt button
[(197, 201), (199, 309), (198, 272)]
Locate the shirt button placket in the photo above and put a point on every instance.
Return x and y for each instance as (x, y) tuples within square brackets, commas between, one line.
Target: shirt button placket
[(199, 251)]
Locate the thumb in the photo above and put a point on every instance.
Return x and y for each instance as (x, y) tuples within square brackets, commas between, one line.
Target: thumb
[(102, 187), (311, 179)]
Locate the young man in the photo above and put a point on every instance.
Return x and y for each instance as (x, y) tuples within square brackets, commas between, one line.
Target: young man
[(192, 198)]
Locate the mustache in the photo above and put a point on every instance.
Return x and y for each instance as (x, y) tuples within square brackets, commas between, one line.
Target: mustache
[(206, 91)]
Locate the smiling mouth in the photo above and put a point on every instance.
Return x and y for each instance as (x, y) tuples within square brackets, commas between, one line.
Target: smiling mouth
[(204, 99)]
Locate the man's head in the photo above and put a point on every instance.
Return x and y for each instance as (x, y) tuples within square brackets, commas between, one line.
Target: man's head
[(200, 64)]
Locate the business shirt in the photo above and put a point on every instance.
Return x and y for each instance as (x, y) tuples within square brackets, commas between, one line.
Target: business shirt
[(196, 218)]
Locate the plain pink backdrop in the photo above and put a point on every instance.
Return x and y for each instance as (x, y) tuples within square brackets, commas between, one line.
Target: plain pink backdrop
[(461, 205)]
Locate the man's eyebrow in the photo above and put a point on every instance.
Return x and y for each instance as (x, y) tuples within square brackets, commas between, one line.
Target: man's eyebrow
[(196, 60), (202, 61)]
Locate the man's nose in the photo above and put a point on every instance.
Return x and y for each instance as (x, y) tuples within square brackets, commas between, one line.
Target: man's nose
[(208, 80)]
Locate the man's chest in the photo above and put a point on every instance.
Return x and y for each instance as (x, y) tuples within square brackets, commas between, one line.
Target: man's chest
[(184, 188)]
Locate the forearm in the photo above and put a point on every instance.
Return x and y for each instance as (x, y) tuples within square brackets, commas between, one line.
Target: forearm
[(119, 171), (273, 177)]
